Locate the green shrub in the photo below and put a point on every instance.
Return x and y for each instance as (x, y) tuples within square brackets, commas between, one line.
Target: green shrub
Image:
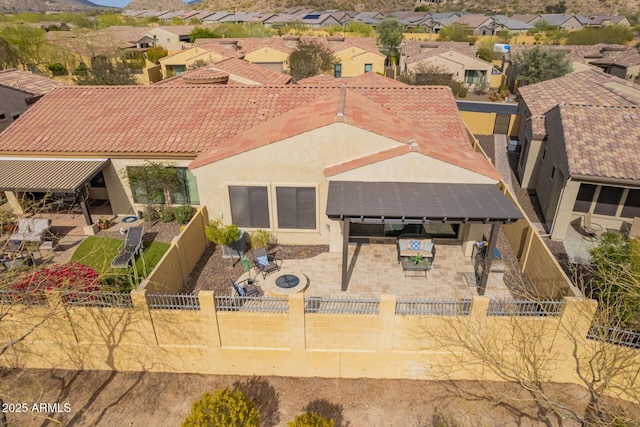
[(260, 238), (166, 214), (221, 234), (184, 213), (57, 69), (150, 214), (225, 408), (311, 419)]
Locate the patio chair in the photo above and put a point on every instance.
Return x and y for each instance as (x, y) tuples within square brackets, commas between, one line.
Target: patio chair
[(245, 289), (589, 228), (265, 262), (634, 230), (132, 245)]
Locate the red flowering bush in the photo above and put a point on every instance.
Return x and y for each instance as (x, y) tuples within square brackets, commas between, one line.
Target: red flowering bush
[(30, 287)]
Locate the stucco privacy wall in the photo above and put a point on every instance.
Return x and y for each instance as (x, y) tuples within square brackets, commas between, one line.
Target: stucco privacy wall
[(483, 123), (179, 261), (295, 343)]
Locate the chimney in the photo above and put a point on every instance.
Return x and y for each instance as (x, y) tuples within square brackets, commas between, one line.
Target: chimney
[(334, 40), (229, 44)]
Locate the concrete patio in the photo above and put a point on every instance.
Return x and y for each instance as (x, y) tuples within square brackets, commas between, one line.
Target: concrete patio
[(577, 245), (374, 270)]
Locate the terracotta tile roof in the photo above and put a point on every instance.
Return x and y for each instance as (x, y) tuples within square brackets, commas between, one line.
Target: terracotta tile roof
[(411, 48), (220, 121), (237, 72), (369, 79), (602, 141), (27, 82), (473, 20), (365, 109), (587, 87)]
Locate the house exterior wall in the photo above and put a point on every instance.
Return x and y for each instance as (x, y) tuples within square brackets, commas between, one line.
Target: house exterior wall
[(268, 54), (187, 57), (528, 160), (296, 161), (553, 168), (353, 61), (413, 167), (456, 64), (12, 103)]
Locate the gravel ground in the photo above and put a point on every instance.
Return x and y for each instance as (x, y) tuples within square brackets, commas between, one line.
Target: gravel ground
[(154, 232), (213, 273)]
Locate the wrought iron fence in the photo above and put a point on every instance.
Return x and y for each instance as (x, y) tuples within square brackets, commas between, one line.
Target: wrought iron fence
[(434, 307), (97, 299), (524, 308), (624, 337), (8, 297), (252, 304), (342, 305), (173, 302)]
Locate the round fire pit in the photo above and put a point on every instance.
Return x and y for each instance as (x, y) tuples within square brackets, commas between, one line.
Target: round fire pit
[(285, 282)]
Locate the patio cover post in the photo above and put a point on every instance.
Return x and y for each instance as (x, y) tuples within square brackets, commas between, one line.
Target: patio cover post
[(345, 251), (488, 257), (84, 205)]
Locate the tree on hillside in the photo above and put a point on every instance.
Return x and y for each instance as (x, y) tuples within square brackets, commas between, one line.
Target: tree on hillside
[(309, 59), (457, 33), (202, 33), (106, 71), (537, 64), (609, 34), (390, 35)]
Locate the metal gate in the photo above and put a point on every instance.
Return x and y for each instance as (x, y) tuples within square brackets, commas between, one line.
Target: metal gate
[(501, 125)]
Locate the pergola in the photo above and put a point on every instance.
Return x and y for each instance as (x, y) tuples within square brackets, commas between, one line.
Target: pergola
[(420, 203), (49, 175)]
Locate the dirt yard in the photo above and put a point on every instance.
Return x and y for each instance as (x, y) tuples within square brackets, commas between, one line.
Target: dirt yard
[(102, 398)]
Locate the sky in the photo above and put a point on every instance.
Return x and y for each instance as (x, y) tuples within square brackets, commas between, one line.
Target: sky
[(116, 3)]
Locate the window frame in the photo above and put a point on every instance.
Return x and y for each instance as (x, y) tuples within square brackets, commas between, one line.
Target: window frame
[(269, 197), (370, 66), (167, 195), (276, 215)]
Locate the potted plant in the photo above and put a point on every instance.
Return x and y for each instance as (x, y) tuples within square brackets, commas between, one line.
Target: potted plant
[(229, 236), (104, 223), (417, 259)]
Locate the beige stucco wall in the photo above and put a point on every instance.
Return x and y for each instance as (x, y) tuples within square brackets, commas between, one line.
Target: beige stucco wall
[(268, 54), (413, 167), (483, 123), (187, 57), (456, 64), (297, 161), (354, 59)]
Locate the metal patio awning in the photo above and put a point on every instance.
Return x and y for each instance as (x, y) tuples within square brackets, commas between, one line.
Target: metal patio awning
[(416, 201), (47, 174)]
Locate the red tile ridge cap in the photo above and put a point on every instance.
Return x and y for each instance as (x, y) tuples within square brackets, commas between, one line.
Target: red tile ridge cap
[(365, 160)]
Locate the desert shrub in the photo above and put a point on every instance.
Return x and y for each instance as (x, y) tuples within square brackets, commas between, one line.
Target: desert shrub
[(311, 419), (184, 213), (57, 69), (225, 408), (166, 214), (150, 214), (221, 234), (260, 238)]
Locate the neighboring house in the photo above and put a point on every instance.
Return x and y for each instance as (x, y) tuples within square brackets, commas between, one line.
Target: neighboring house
[(320, 20), (505, 23), (172, 38), (301, 162), (281, 19), (481, 25), (210, 17), (18, 91), (178, 63), (457, 58), (563, 21), (356, 55), (529, 18), (232, 71), (602, 20), (370, 79), (579, 137)]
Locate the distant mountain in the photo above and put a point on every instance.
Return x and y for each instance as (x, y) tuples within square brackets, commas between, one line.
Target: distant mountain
[(12, 5)]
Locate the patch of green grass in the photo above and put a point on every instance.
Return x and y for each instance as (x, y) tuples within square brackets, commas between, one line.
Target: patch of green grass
[(98, 252)]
